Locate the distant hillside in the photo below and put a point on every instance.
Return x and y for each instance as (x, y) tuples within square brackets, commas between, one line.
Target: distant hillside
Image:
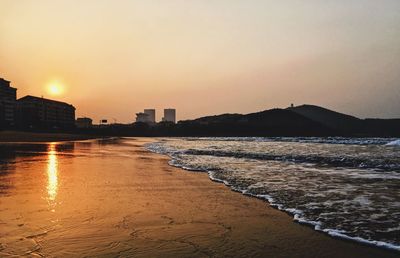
[(305, 120), (218, 118), (381, 127), (343, 123), (274, 122)]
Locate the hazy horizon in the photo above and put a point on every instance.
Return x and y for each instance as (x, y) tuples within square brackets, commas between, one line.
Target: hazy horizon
[(114, 59)]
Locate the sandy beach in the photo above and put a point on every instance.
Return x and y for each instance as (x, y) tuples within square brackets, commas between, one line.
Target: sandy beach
[(200, 128), (146, 208), (188, 213)]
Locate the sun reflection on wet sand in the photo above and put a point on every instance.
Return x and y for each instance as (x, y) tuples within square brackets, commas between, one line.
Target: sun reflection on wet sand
[(52, 173)]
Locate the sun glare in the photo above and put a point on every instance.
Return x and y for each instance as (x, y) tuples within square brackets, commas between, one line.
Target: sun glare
[(55, 89)]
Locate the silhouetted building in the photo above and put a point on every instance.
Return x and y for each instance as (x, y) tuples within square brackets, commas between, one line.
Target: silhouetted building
[(83, 122), (35, 112), (148, 116), (152, 115), (8, 96), (169, 115), (142, 118)]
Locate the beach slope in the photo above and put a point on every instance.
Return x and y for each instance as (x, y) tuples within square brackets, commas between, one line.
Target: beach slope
[(189, 215)]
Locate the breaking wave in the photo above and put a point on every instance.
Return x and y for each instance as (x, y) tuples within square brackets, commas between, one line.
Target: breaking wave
[(394, 143), (345, 190)]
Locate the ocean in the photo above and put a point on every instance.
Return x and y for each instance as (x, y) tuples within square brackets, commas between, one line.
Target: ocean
[(345, 187)]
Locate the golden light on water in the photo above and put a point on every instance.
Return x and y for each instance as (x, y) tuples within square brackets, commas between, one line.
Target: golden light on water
[(52, 173)]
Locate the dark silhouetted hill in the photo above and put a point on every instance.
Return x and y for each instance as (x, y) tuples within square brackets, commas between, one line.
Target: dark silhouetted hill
[(305, 120), (274, 122), (218, 118), (345, 124), (381, 127)]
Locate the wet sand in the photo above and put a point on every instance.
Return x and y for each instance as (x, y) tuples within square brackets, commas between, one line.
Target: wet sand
[(18, 136), (202, 217), (145, 208)]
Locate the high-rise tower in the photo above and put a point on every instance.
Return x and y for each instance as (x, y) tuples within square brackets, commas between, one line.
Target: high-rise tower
[(169, 115)]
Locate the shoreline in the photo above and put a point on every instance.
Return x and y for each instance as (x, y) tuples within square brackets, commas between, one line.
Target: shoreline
[(333, 233), (355, 248), (32, 137), (128, 201)]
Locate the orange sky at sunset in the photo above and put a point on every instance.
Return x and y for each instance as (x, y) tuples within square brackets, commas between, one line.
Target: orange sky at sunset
[(111, 59)]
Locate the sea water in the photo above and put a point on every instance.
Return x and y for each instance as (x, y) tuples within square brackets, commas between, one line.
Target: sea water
[(346, 187)]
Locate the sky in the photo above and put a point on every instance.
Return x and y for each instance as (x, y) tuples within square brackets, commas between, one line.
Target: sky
[(112, 59)]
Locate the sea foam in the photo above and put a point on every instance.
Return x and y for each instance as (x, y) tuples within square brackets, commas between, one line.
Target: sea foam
[(394, 143), (344, 190)]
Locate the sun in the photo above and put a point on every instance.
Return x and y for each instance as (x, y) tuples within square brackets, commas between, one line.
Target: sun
[(55, 89)]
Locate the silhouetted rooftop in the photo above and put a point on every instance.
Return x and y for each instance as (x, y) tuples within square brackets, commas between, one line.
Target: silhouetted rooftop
[(33, 98), (6, 83)]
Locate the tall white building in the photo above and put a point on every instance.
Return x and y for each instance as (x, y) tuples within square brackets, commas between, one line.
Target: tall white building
[(152, 115), (169, 115)]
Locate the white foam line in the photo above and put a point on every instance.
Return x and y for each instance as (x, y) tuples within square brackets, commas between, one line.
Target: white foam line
[(332, 232), (295, 212), (382, 244), (394, 143)]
